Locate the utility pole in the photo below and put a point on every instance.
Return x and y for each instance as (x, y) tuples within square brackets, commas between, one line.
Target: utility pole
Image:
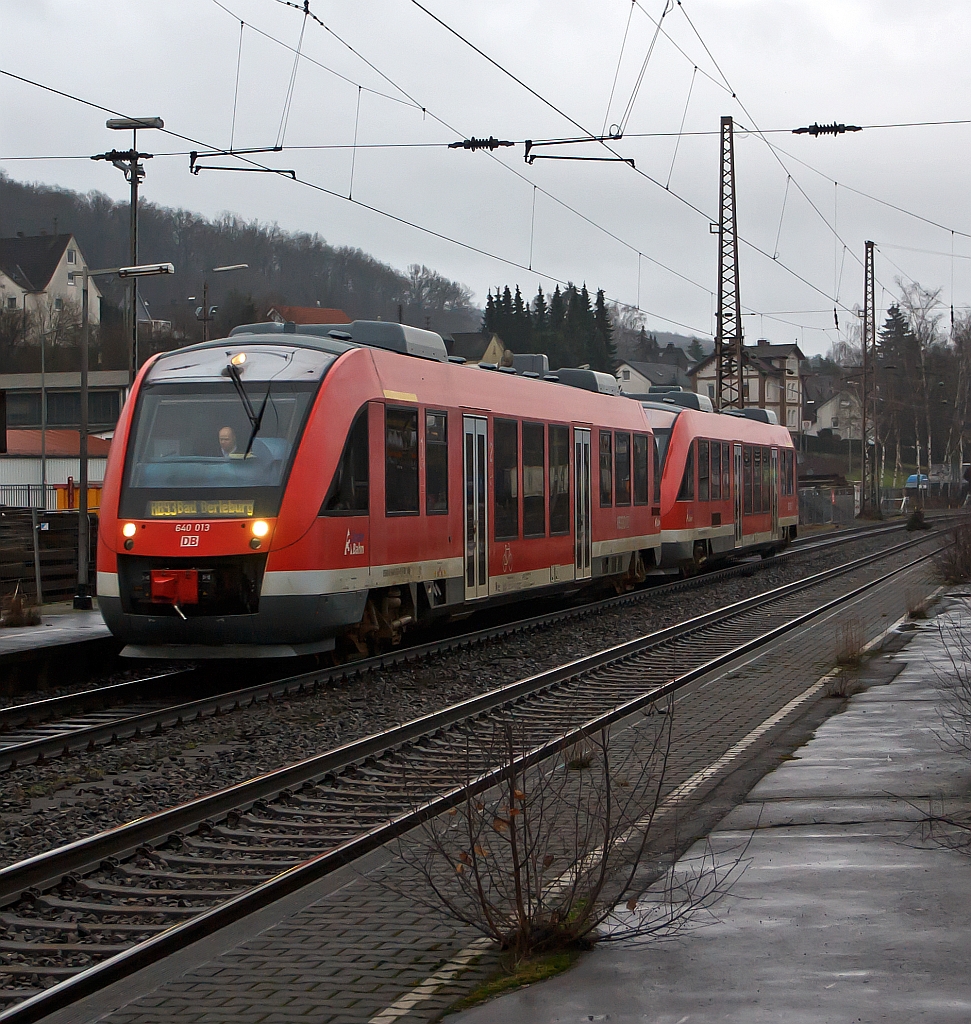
[(729, 353), (869, 344)]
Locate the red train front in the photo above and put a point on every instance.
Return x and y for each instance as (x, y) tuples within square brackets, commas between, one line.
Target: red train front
[(282, 489)]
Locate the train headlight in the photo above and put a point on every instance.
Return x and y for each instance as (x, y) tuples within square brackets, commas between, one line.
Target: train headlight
[(260, 528), (129, 529)]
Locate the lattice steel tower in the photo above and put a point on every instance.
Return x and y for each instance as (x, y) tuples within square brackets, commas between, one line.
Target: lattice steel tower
[(729, 354), (869, 478)]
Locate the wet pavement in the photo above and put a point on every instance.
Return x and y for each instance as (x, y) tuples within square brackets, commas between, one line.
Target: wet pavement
[(846, 911)]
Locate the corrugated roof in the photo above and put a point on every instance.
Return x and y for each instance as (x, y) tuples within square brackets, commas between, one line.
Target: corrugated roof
[(30, 261), (308, 315), (60, 444)]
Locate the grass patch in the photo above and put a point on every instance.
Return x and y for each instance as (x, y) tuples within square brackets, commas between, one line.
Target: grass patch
[(508, 977)]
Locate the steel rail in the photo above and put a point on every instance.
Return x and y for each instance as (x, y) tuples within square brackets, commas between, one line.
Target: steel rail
[(48, 868), (208, 921), (154, 721)]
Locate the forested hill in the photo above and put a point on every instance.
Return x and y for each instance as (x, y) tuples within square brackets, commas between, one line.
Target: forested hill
[(291, 268)]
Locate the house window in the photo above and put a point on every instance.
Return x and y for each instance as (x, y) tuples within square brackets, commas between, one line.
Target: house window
[(836, 421), (71, 277), (711, 392), (72, 256), (12, 302), (625, 374), (58, 302)]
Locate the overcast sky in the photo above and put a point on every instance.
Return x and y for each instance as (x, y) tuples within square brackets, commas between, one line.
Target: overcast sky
[(789, 62)]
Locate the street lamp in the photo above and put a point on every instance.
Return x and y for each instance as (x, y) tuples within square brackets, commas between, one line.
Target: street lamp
[(82, 597), (206, 314), (127, 161)]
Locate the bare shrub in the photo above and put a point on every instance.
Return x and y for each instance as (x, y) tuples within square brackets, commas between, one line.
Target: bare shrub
[(18, 610), (551, 858), (954, 561), (850, 641)]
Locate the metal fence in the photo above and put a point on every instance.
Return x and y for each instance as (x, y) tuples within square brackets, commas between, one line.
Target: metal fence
[(28, 496), (41, 548), (821, 505)]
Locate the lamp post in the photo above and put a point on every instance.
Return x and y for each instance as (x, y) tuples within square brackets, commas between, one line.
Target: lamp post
[(206, 313), (82, 596), (128, 162)]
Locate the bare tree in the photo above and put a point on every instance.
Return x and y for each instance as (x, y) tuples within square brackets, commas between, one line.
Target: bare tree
[(553, 858), (921, 306)]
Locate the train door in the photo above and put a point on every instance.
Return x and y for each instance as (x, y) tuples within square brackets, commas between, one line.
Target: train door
[(582, 499), (774, 485), (739, 494), (476, 450)]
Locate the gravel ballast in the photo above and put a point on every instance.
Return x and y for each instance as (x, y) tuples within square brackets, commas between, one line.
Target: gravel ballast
[(48, 805)]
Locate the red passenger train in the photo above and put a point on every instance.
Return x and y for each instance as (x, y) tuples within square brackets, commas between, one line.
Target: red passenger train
[(728, 483), (287, 488)]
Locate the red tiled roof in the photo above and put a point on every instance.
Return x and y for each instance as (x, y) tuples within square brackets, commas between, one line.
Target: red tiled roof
[(60, 444), (309, 315)]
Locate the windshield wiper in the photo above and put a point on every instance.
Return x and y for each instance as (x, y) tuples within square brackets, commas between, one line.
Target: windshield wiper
[(255, 418)]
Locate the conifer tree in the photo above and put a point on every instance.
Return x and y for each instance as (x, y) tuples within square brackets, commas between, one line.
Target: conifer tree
[(606, 354)]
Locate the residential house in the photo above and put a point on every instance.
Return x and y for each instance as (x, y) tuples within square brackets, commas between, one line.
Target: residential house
[(21, 471), (841, 414), (40, 280), (772, 379), (307, 315), (636, 378), (476, 347)]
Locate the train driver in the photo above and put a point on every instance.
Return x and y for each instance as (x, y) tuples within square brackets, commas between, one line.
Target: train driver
[(227, 442)]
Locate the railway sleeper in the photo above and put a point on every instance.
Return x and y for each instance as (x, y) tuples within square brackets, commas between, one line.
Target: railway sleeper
[(100, 889), (41, 924), (102, 948), (102, 910), (203, 875)]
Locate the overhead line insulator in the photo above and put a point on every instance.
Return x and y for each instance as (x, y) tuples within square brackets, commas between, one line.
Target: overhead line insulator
[(474, 143), (827, 129)]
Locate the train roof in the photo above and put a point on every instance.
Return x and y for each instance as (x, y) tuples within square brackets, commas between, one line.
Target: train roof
[(722, 426)]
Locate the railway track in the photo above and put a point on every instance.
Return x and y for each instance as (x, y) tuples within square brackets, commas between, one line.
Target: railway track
[(76, 722), (84, 915)]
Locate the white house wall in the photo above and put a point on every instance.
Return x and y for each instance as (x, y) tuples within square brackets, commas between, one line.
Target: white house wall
[(16, 469)]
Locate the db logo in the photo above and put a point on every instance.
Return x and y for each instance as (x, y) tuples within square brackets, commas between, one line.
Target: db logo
[(189, 541)]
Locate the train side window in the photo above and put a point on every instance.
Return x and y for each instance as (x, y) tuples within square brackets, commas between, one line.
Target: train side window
[(348, 491), (436, 462), (534, 489), (716, 471), (704, 466), (790, 472), (640, 469), (747, 478), (756, 479), (606, 470), (401, 460), (559, 451), (726, 472), (656, 464), (766, 479), (622, 468), (506, 482), (687, 491)]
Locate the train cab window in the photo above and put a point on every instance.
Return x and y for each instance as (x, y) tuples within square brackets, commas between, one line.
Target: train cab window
[(621, 469), (747, 478), (640, 469), (534, 489), (756, 479), (506, 483), (348, 491), (766, 479), (726, 472), (687, 489), (656, 468), (704, 469), (401, 461), (606, 470), (559, 454), (716, 471), (436, 462)]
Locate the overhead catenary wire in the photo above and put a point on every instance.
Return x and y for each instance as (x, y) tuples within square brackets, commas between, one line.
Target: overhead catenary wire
[(239, 60), (386, 214), (620, 58), (684, 115), (293, 81), (628, 110)]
